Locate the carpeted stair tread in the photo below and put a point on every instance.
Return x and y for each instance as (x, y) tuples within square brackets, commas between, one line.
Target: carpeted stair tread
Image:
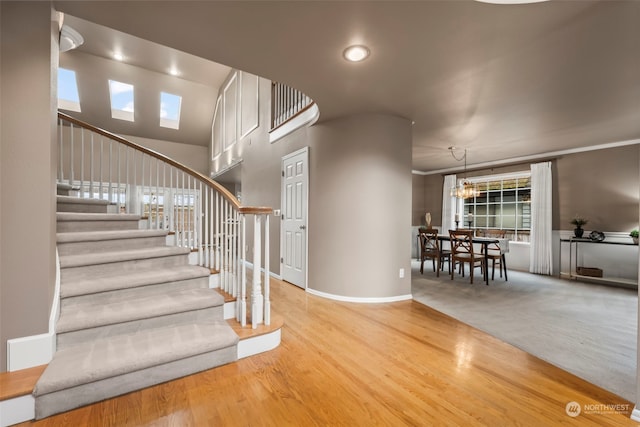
[(114, 356), (126, 280), (92, 315), (78, 201), (81, 260), (81, 216), (96, 236)]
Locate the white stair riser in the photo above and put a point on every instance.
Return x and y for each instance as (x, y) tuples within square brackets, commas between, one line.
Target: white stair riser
[(73, 248), (75, 397), (77, 273), (121, 295), (85, 335), (81, 207), (71, 226)]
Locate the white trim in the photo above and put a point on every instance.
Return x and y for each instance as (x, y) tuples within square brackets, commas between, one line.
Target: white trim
[(257, 104), (215, 155), (259, 344), (17, 410), (363, 300), (524, 159), (499, 177), (227, 168), (226, 145), (635, 414), (308, 118), (229, 310), (36, 350)]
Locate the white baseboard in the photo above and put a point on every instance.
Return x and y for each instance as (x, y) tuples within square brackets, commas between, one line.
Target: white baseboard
[(36, 350), (635, 414), (230, 310), (27, 352), (17, 410), (259, 344), (365, 300)]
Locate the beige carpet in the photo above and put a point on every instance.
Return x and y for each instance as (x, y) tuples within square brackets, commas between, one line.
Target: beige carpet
[(587, 329)]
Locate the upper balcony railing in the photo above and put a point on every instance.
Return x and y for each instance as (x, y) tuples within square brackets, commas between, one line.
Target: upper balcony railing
[(286, 104), (198, 212)]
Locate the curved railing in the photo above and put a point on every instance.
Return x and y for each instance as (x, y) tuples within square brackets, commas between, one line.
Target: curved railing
[(196, 211)]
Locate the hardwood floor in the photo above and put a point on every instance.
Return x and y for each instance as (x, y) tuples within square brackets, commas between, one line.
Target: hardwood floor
[(360, 365)]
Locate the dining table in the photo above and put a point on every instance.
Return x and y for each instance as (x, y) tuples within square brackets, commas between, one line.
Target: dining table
[(484, 242)]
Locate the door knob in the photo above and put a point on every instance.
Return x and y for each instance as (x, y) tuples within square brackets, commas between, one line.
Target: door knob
[(303, 227)]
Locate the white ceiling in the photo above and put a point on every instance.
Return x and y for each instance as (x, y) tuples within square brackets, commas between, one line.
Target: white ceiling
[(502, 81)]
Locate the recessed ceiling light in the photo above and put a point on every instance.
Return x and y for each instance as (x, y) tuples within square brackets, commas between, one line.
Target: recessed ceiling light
[(118, 56), (356, 53)]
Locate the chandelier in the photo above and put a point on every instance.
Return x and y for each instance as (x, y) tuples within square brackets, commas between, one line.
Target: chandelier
[(465, 188)]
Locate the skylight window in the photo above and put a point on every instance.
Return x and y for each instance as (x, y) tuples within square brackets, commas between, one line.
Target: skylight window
[(68, 98), (121, 100), (170, 110)]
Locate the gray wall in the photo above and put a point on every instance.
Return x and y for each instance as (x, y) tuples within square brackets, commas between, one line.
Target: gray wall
[(360, 206), (28, 83), (601, 185), (193, 156), (359, 198)]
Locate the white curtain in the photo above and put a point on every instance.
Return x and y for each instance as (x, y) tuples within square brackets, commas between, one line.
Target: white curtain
[(541, 257), (448, 204)]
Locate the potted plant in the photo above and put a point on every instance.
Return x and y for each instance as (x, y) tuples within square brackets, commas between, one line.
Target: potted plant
[(578, 221), (634, 236)]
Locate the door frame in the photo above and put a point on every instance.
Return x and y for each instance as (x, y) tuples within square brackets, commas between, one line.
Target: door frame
[(303, 150)]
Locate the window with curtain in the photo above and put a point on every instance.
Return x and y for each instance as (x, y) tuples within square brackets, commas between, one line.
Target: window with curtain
[(499, 202)]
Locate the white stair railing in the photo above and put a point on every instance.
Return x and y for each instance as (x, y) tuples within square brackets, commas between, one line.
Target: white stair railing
[(196, 211), (286, 103)]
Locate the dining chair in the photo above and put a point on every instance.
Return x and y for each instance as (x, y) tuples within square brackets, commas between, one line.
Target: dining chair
[(430, 249), (495, 253), (462, 252)]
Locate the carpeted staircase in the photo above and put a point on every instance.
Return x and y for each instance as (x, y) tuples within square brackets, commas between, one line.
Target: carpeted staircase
[(133, 312)]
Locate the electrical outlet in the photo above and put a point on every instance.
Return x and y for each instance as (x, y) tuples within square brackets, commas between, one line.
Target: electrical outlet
[(402, 273), (276, 212)]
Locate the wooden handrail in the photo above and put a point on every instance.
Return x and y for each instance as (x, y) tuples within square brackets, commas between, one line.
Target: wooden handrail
[(223, 191)]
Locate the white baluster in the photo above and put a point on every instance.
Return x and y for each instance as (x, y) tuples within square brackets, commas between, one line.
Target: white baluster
[(71, 160), (157, 194), (60, 150), (242, 311), (199, 223), (142, 184), (101, 190), (127, 188), (164, 196), (217, 235), (82, 162), (110, 196), (91, 190), (173, 204), (257, 300), (267, 301)]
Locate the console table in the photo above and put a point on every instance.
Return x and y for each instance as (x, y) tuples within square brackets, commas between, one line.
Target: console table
[(573, 262)]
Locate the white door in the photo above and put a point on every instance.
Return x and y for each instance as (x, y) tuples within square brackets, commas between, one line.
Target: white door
[(295, 183)]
